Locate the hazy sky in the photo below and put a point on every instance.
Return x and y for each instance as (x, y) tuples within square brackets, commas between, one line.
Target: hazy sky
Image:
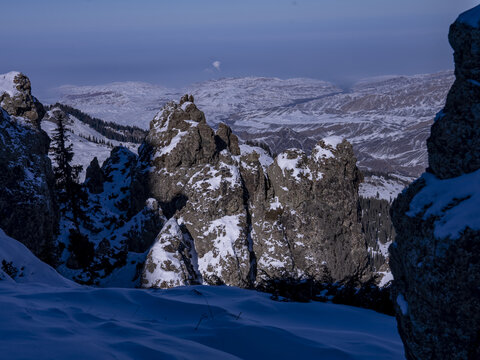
[(175, 42)]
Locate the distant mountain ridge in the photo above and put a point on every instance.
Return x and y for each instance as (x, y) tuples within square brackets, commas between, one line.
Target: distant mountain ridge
[(387, 119)]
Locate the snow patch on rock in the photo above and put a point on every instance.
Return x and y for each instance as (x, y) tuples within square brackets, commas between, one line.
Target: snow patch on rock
[(291, 165), (226, 230), (454, 202), (7, 83)]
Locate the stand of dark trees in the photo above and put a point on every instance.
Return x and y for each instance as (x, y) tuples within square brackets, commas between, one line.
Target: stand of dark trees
[(108, 129), (376, 225)]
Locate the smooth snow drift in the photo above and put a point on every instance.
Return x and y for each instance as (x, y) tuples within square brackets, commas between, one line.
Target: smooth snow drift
[(57, 319)]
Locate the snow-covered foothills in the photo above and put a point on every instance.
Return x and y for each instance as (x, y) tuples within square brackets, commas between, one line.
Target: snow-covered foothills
[(56, 319), (387, 119)]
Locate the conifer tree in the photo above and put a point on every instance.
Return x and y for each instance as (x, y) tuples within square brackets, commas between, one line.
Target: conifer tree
[(66, 175), (70, 192)]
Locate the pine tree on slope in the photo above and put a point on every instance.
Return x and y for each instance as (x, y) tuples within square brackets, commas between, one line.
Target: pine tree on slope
[(70, 193)]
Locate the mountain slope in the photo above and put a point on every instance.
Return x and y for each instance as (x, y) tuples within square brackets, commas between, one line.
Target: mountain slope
[(87, 142)]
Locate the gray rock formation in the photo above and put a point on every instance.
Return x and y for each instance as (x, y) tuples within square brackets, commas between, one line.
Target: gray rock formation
[(28, 211), (17, 100), (94, 177), (251, 218), (435, 259), (169, 261), (449, 155), (315, 205)]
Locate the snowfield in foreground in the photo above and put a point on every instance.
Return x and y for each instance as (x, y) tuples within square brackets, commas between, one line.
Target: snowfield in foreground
[(61, 320)]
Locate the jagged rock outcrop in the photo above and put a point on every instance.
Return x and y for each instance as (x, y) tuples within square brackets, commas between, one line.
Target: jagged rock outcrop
[(251, 218), (17, 100), (315, 206), (94, 177), (28, 211), (185, 172), (435, 258), (454, 143)]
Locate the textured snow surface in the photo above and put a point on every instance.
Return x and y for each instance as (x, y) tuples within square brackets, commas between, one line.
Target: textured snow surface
[(7, 85), (29, 268), (185, 323), (470, 17), (44, 316), (455, 202)]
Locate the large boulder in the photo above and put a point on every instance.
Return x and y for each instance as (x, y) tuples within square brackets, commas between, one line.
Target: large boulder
[(435, 260)]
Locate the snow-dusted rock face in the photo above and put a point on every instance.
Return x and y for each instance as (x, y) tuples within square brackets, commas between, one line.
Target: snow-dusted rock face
[(435, 259), (16, 97), (169, 261), (251, 218), (28, 211), (312, 219), (182, 167), (454, 143)]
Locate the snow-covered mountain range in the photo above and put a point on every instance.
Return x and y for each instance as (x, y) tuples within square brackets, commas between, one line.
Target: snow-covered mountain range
[(387, 119)]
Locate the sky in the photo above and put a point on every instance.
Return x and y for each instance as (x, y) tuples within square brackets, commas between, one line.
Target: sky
[(177, 42)]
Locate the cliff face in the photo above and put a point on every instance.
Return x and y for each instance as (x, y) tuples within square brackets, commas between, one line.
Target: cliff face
[(435, 259), (28, 211), (244, 217)]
